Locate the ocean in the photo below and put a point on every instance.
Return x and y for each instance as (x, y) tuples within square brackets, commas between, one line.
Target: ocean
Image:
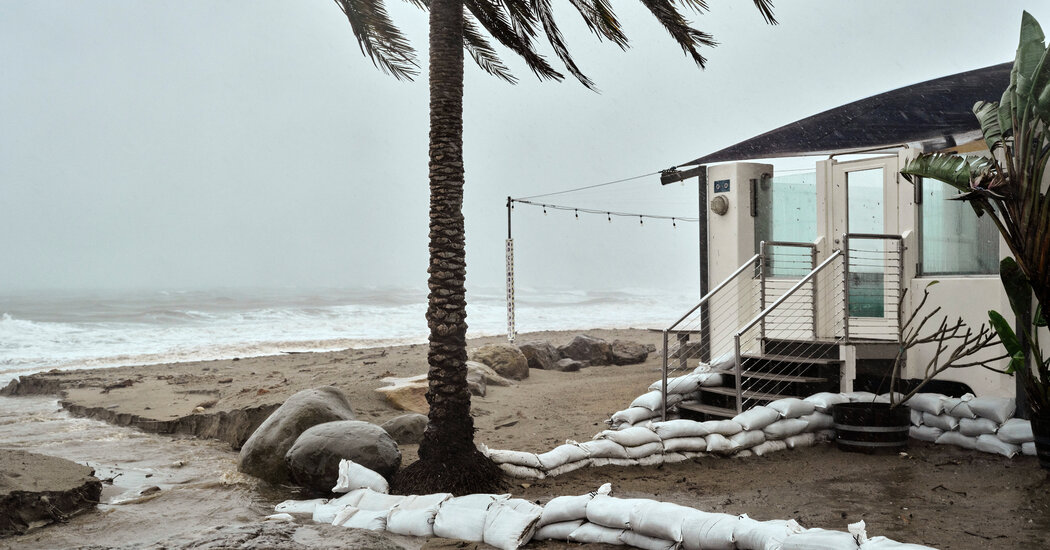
[(68, 330)]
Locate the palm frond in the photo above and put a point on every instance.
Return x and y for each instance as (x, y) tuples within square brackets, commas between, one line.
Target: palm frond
[(955, 170), (766, 7), (543, 11), (688, 38), (496, 22), (600, 19), (482, 52), (379, 38)]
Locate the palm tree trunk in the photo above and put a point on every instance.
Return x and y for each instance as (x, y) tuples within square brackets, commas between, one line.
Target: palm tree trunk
[(448, 459)]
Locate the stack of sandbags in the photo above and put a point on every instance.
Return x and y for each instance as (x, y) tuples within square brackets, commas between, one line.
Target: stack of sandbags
[(981, 423), (690, 439), (641, 445), (649, 405)]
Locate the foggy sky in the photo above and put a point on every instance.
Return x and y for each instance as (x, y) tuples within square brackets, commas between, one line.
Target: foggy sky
[(248, 143)]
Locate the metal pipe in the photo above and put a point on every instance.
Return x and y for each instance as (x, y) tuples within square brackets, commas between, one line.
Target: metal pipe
[(845, 288), (739, 376), (762, 269), (788, 294), (813, 295)]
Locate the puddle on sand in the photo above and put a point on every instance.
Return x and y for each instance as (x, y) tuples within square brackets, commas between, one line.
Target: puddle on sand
[(160, 486)]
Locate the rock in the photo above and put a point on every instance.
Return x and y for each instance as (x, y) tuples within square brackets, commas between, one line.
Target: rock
[(505, 359), (313, 461), (406, 429), (569, 365), (476, 383), (263, 454), (407, 394), (587, 348), (540, 355), (491, 377), (624, 352), (38, 489)]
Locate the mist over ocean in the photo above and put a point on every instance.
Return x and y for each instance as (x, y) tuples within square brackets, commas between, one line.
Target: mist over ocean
[(88, 330)]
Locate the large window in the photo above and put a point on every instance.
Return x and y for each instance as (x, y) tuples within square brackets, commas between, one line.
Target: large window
[(954, 240), (787, 208)]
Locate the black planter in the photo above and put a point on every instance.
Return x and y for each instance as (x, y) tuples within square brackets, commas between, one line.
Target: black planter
[(1041, 430), (871, 427)]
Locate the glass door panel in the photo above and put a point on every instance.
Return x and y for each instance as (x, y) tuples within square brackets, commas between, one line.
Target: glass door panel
[(865, 213)]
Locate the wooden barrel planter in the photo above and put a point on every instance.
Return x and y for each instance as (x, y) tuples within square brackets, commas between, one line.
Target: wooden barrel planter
[(871, 427), (1041, 431)]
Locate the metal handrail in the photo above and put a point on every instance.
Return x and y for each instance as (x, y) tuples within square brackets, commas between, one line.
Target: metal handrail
[(786, 295), (739, 270)]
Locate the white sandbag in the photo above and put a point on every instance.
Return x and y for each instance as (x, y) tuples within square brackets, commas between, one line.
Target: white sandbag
[(355, 476), (820, 539), (826, 435), (632, 415), (945, 422), (1017, 431), (674, 458), (710, 379), (356, 518), (368, 499), (631, 437), (860, 396), (998, 409), (599, 462), (679, 428), (279, 518), (643, 451), (565, 508), (688, 444), (757, 418), (957, 406), (990, 444), (654, 459), (767, 447), (635, 539), (785, 428), (603, 448), (708, 531), (748, 439), (932, 403), (823, 401), (612, 512), (463, 518), (743, 454), (562, 454), (925, 433), (957, 439), (517, 458), (522, 472), (299, 507), (883, 543), (974, 427), (686, 384), (763, 535), (661, 520), (416, 514), (569, 467), (558, 531), (327, 512), (916, 417), (724, 361), (723, 427), (590, 533), (653, 400), (1028, 448), (886, 397), (511, 523), (717, 443), (792, 407), (801, 440), (817, 421)]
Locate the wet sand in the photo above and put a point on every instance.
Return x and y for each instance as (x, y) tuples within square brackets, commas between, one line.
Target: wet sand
[(942, 497)]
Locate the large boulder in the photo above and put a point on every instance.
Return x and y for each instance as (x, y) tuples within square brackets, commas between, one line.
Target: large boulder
[(587, 348), (407, 394), (507, 360), (540, 355), (623, 352), (263, 454), (491, 377), (569, 365), (476, 383), (313, 460), (406, 429)]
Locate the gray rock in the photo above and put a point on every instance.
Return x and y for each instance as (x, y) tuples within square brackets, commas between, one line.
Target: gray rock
[(263, 454), (313, 461), (406, 429), (569, 365), (505, 359), (623, 352), (587, 348), (476, 383), (540, 355), (491, 377)]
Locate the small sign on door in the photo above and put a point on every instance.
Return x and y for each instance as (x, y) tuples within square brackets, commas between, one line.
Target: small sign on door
[(721, 186)]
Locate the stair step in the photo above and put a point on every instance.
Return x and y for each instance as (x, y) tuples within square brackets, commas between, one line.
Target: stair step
[(699, 407), (772, 376), (748, 394), (791, 359)]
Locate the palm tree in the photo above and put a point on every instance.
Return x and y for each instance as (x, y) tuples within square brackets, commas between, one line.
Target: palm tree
[(448, 459)]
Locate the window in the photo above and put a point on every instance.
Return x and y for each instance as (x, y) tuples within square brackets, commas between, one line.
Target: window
[(954, 240)]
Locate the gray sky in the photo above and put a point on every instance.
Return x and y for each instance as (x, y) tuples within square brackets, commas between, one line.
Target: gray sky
[(195, 144)]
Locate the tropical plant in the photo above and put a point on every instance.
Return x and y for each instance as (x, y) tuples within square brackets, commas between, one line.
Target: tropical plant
[(1007, 185), (1036, 379), (448, 459)]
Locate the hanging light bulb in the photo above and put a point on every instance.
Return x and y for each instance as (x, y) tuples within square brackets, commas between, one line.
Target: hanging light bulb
[(545, 210), (577, 213), (641, 221), (673, 224), (609, 214)]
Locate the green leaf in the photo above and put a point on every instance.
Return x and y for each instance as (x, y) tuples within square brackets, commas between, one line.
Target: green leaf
[(987, 113), (1016, 286), (1016, 363), (954, 170), (1006, 334), (1039, 320)]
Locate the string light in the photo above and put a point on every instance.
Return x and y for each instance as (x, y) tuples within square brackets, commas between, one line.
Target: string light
[(610, 216), (641, 221), (577, 213), (544, 210), (576, 210), (673, 224)]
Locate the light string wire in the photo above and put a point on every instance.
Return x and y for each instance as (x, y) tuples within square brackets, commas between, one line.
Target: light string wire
[(587, 187), (608, 213)]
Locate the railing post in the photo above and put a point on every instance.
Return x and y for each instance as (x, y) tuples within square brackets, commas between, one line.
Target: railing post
[(900, 284), (663, 397), (763, 266), (845, 288), (739, 376), (813, 296)]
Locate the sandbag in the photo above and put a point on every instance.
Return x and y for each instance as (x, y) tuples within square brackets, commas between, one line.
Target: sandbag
[(631, 437), (599, 462), (746, 440), (558, 531), (945, 422), (1028, 448), (896, 397), (463, 518), (518, 458), (522, 472), (717, 443), (570, 467), (925, 433), (763, 535), (654, 400), (661, 520), (416, 514), (635, 539), (817, 421), (632, 415), (654, 459), (767, 447), (785, 428), (567, 508), (883, 543), (355, 476), (708, 531), (612, 512), (792, 407), (990, 444), (604, 448), (757, 418), (957, 406), (1017, 431), (801, 440), (826, 435), (560, 455), (744, 454), (325, 513), (916, 417), (509, 524), (860, 396), (673, 458), (367, 499), (932, 403), (279, 518), (643, 451), (356, 518), (685, 384), (723, 427), (590, 533), (823, 401), (997, 409), (689, 444), (679, 428), (820, 539), (957, 439), (974, 427), (299, 507)]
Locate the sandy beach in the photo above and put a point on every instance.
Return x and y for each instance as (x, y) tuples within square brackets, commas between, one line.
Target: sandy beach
[(938, 496)]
